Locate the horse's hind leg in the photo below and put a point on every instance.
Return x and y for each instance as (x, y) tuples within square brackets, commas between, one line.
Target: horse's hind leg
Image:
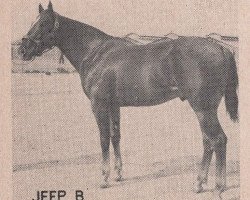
[(115, 138), (212, 129), (220, 152), (205, 163)]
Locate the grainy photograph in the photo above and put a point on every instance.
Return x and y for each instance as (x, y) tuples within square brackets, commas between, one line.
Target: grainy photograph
[(125, 100)]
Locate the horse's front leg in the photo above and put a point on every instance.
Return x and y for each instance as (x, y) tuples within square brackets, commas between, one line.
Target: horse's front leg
[(115, 138), (101, 111)]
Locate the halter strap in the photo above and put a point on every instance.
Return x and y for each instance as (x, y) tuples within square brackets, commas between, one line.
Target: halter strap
[(56, 26)]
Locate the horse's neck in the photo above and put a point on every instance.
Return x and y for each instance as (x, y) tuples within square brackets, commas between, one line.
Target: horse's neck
[(77, 40)]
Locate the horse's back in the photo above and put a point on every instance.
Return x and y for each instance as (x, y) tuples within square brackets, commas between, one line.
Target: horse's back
[(144, 74)]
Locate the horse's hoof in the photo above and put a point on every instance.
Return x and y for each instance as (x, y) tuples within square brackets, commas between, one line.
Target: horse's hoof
[(119, 179), (104, 185), (198, 188), (217, 195)]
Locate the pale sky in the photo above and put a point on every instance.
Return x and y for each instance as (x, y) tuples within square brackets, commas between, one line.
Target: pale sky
[(145, 17)]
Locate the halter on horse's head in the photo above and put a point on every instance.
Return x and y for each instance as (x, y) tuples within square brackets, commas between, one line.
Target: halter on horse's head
[(42, 35)]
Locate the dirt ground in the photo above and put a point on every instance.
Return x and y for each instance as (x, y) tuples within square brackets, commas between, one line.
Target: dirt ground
[(56, 145)]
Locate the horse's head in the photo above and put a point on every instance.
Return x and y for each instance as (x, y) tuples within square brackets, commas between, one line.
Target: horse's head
[(42, 34)]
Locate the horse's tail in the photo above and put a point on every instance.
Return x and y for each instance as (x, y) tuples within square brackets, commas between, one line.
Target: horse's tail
[(231, 97)]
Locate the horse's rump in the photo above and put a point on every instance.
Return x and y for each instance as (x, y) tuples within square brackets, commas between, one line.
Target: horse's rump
[(200, 69)]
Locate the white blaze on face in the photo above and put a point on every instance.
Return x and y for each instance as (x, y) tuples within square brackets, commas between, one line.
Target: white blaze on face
[(36, 20)]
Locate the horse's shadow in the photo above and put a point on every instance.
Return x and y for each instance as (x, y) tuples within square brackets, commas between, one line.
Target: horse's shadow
[(179, 170), (226, 189), (137, 179)]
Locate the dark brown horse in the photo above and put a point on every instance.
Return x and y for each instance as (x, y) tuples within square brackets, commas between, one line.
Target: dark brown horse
[(116, 73)]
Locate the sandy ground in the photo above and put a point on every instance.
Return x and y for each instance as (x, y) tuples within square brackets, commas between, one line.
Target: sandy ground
[(56, 145)]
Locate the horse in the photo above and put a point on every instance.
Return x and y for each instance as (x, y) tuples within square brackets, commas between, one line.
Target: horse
[(116, 73)]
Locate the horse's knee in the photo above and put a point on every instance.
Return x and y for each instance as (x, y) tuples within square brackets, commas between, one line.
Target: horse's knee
[(116, 126), (115, 139), (105, 143), (221, 141), (105, 139), (207, 145), (222, 138), (115, 135)]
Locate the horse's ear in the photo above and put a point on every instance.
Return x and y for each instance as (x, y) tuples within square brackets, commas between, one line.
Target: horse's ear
[(50, 6), (40, 8)]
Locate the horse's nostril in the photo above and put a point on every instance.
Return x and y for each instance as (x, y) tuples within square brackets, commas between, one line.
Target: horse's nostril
[(20, 51)]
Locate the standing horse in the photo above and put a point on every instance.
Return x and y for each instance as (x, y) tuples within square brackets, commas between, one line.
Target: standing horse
[(115, 73)]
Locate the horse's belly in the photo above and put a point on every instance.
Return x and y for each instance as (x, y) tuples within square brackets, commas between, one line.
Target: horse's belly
[(134, 96), (144, 84)]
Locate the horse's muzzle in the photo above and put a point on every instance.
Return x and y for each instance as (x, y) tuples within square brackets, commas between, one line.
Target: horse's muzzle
[(28, 49), (24, 54)]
